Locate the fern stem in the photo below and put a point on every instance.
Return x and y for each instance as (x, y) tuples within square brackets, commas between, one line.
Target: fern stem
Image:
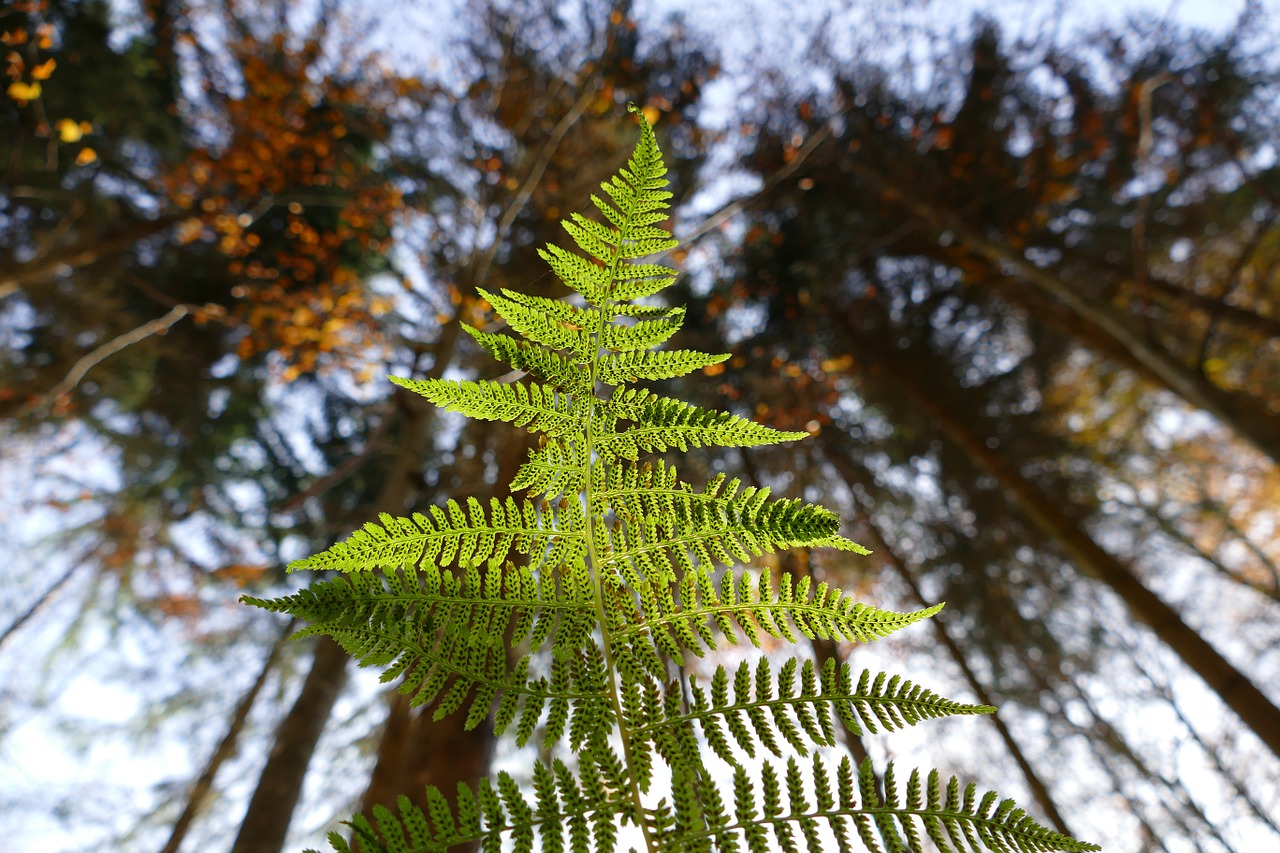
[(927, 709), (594, 564), (961, 818)]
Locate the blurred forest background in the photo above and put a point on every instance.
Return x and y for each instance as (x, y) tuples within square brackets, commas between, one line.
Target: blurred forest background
[(1016, 271)]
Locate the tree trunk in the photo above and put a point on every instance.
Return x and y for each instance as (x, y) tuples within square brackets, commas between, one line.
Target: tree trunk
[(854, 477), (1239, 412), (226, 748), (1233, 687), (266, 822)]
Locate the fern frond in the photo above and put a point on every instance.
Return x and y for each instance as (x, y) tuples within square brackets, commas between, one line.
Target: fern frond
[(798, 706), (676, 616), (558, 468), (769, 803), (543, 363), (636, 281), (622, 367), (537, 408), (569, 810), (660, 423), (451, 536), (441, 630), (638, 200), (652, 534), (626, 570), (643, 335), (589, 278), (551, 322)]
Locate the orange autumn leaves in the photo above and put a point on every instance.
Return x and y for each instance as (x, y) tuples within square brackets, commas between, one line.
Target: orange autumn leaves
[(293, 198)]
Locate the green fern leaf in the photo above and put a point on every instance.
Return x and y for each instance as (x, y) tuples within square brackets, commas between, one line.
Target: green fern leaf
[(672, 623), (644, 335), (761, 809), (537, 408), (661, 423), (622, 367), (560, 619), (797, 706), (559, 467), (545, 364), (451, 535)]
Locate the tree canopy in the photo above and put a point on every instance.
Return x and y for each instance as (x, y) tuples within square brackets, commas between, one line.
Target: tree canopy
[(1021, 285)]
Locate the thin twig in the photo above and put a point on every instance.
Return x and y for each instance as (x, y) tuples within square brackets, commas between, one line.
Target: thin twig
[(110, 348)]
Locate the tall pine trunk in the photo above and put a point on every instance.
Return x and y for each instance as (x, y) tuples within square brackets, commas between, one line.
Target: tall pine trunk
[(1245, 415), (266, 822), (1236, 690)]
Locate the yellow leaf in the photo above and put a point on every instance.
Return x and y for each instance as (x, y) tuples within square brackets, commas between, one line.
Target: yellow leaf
[(20, 91), (44, 70), (68, 130), (86, 156), (837, 365)]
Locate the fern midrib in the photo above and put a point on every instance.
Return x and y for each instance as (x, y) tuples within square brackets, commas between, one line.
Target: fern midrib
[(989, 824), (360, 561), (602, 614), (824, 698), (785, 606)]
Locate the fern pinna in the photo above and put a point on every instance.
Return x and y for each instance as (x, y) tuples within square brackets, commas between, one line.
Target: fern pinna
[(566, 611)]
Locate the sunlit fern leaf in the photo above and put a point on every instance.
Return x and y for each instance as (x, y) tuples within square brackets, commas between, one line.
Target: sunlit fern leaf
[(652, 536), (564, 619), (797, 705), (555, 815), (636, 281), (769, 807), (559, 467), (643, 335), (445, 635), (623, 367), (451, 535), (660, 423), (550, 322), (543, 363), (684, 615), (537, 408)]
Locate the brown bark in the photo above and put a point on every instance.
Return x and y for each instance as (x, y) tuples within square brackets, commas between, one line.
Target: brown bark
[(1238, 411), (1232, 686), (854, 477), (226, 748), (266, 822)]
